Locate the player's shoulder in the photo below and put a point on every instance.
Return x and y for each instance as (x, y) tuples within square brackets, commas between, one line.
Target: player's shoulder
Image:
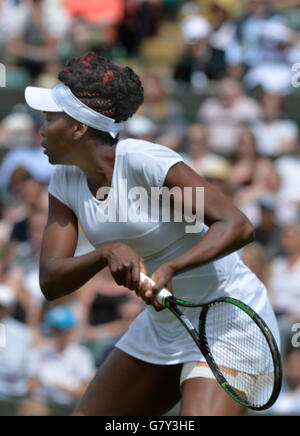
[(67, 172), (131, 145), (138, 149)]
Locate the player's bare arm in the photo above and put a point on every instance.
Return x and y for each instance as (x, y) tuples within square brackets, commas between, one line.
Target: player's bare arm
[(61, 273), (229, 229)]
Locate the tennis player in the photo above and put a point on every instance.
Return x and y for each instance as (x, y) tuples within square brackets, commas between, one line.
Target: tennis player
[(156, 362)]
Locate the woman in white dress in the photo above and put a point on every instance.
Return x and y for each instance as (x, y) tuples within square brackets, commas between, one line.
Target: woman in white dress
[(155, 363)]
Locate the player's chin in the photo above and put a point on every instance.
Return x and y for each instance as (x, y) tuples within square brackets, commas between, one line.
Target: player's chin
[(54, 160)]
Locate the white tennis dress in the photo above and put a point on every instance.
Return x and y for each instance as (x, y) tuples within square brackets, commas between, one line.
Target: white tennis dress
[(155, 337)]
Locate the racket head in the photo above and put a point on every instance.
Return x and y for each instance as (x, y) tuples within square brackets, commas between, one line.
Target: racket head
[(256, 386)]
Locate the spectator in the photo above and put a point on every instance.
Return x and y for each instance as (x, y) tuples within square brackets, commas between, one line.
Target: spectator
[(244, 160), (246, 49), (165, 112), (265, 181), (281, 52), (216, 170), (94, 23), (128, 310), (29, 157), (223, 34), (33, 198), (16, 130), (282, 279), (274, 135), (5, 228), (26, 271), (255, 257), (198, 61), (140, 127), (37, 29), (288, 402), (141, 20), (225, 113), (15, 351), (288, 168), (268, 232), (99, 302), (61, 370), (7, 12), (196, 147)]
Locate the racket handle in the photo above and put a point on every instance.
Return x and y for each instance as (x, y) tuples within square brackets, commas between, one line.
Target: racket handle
[(163, 293)]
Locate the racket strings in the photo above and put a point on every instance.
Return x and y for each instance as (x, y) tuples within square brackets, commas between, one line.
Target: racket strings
[(241, 352)]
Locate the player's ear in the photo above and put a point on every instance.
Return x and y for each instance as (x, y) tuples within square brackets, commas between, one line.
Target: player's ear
[(79, 129)]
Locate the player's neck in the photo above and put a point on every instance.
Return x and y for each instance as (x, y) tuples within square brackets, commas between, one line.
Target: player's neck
[(98, 165)]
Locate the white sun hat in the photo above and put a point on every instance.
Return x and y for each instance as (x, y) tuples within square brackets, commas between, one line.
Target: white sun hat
[(61, 99), (195, 28)]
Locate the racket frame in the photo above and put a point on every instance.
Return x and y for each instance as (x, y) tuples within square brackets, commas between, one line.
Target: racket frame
[(200, 339)]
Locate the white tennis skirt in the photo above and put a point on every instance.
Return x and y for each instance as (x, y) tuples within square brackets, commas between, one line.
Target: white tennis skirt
[(159, 338)]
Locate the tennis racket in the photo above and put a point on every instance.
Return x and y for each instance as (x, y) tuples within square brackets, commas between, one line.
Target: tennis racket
[(238, 347)]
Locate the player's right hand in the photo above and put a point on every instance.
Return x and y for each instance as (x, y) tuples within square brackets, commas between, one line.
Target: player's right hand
[(125, 266)]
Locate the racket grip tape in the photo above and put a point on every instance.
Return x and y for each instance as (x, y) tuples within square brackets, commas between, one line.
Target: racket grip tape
[(163, 293)]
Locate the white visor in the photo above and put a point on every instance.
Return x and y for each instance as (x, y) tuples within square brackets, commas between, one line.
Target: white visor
[(61, 99)]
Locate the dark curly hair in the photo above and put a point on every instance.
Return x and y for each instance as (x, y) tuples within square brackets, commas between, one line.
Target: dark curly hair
[(107, 88)]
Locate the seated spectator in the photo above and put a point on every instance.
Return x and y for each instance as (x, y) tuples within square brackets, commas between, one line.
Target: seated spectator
[(37, 28), (282, 280), (244, 160), (16, 130), (225, 113), (268, 232), (288, 168), (127, 311), (32, 407), (30, 156), (141, 20), (139, 127), (61, 370), (255, 257), (98, 306), (94, 23), (265, 181), (224, 30), (192, 67), (197, 151), (216, 170), (247, 49), (15, 349), (288, 402), (26, 271), (165, 112), (5, 227), (274, 135), (281, 52)]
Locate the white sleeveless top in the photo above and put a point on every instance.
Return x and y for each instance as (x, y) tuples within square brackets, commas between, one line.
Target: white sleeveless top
[(143, 164)]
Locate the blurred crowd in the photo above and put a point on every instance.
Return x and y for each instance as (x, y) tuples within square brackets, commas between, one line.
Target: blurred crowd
[(236, 60)]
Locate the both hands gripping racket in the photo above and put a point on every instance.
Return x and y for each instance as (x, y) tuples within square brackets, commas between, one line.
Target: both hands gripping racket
[(238, 347)]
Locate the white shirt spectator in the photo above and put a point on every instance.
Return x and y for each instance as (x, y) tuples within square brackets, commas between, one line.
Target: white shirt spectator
[(284, 286), (271, 137), (288, 168), (68, 369), (55, 19), (223, 123), (15, 359)]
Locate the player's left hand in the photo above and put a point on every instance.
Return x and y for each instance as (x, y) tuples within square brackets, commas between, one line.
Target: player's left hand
[(163, 279)]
